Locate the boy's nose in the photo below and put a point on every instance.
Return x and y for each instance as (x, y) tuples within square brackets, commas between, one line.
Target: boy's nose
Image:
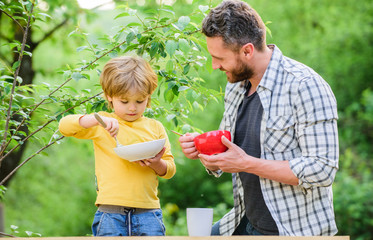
[(132, 107)]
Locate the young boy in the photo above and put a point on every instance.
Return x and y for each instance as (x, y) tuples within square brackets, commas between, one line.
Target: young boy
[(126, 191)]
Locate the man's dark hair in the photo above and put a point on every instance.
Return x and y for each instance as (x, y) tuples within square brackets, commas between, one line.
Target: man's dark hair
[(237, 23)]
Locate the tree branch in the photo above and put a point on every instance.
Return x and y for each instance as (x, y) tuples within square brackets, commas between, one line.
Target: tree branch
[(14, 20), (40, 128), (28, 159), (43, 148), (15, 81)]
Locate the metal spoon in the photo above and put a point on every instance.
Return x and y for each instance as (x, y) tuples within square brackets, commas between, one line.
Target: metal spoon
[(99, 119)]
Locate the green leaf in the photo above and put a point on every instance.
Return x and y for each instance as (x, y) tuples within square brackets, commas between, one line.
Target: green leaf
[(130, 37), (79, 49), (171, 85), (134, 24), (171, 47), (15, 65), (182, 22), (169, 66), (168, 11), (19, 79), (153, 49), (151, 11), (45, 15), (2, 191), (71, 33), (186, 69), (186, 128), (113, 54), (125, 14), (184, 45), (6, 77), (209, 64), (197, 105), (27, 53), (77, 76), (183, 88), (170, 117), (203, 8), (169, 96)]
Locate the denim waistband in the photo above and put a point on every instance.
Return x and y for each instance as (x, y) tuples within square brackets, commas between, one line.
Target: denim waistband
[(121, 209)]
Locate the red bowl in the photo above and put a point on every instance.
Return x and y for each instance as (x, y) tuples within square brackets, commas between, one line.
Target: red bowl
[(210, 142)]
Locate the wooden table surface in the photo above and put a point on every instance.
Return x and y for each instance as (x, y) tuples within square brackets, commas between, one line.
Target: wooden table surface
[(196, 238)]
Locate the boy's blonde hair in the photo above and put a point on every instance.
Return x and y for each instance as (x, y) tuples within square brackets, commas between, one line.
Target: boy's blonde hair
[(122, 74)]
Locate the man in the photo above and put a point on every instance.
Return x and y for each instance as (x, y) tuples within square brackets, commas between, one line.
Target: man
[(283, 119)]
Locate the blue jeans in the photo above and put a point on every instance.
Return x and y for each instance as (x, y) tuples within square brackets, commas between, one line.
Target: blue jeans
[(129, 224), (244, 228)]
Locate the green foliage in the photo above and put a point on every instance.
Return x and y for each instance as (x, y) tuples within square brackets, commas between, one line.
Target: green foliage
[(354, 197), (332, 37), (2, 192)]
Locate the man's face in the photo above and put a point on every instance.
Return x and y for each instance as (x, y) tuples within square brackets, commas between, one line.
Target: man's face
[(228, 61)]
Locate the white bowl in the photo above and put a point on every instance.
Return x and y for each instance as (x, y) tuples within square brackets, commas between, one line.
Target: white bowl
[(139, 151)]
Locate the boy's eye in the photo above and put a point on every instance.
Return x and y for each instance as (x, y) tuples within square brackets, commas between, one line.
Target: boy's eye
[(140, 101), (124, 102)]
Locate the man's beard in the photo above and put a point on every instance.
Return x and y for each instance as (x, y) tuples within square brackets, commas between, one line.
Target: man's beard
[(241, 73)]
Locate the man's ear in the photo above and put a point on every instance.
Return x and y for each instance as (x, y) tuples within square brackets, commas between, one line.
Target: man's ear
[(247, 50)]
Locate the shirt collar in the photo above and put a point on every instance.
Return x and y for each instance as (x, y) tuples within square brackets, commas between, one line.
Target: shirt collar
[(269, 78)]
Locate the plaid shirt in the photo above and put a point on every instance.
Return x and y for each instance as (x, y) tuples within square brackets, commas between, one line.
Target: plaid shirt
[(299, 124)]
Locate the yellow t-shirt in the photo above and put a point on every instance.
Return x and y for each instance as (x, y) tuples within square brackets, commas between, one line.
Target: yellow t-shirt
[(120, 182)]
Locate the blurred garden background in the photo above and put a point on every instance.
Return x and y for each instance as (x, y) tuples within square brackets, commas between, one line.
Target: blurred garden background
[(53, 193)]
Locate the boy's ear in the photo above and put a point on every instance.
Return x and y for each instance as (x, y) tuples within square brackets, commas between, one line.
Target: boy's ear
[(148, 103)]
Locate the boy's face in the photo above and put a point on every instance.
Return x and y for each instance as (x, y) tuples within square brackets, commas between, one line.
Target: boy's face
[(129, 108)]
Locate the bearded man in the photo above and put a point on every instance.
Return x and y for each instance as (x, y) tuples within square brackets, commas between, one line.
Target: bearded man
[(283, 119)]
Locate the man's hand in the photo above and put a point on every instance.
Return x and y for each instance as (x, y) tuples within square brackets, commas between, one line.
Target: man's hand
[(187, 145), (233, 160)]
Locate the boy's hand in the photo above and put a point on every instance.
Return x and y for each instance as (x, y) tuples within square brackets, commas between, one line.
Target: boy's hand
[(156, 163), (112, 125)]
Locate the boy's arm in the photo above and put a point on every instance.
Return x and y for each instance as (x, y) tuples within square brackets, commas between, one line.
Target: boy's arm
[(69, 126), (88, 121), (78, 125)]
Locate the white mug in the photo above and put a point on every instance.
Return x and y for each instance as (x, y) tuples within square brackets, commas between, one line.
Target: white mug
[(199, 221)]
